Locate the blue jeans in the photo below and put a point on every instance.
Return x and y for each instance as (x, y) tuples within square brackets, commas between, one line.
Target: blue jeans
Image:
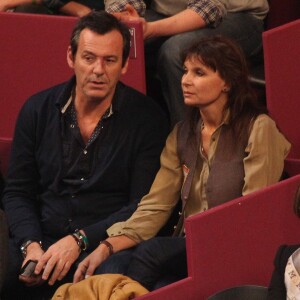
[(166, 66)]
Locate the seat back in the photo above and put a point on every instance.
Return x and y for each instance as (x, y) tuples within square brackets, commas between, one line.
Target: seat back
[(33, 58), (282, 72)]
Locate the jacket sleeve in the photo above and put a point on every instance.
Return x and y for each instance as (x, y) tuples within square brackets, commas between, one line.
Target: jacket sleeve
[(20, 194)]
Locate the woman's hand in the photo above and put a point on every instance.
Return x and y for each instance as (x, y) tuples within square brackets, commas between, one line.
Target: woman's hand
[(88, 266)]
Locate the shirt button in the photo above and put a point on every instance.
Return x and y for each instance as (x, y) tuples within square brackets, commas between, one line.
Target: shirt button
[(73, 196), (70, 220), (82, 179), (72, 125), (84, 152)]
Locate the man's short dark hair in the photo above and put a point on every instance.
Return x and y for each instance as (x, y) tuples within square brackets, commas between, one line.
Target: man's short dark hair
[(101, 22)]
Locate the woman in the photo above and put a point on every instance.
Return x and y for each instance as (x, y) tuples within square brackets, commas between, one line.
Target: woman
[(227, 147)]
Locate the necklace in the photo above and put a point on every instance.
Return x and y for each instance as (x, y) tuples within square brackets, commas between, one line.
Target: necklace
[(201, 142)]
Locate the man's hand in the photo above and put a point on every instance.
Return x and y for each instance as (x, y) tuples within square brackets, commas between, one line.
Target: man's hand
[(34, 252), (58, 259), (88, 266)]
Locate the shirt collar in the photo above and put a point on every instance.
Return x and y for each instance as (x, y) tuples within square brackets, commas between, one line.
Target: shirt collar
[(64, 107)]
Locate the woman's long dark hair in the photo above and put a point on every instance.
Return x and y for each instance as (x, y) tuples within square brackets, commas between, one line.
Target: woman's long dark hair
[(224, 55)]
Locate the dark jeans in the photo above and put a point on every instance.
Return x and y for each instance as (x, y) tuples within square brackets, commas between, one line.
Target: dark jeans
[(153, 263), (158, 262), (116, 264)]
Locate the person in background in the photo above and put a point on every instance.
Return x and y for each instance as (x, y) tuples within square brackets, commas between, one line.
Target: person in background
[(285, 280), (84, 153), (171, 25), (226, 147)]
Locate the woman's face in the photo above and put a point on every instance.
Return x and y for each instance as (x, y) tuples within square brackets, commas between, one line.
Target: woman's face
[(202, 86)]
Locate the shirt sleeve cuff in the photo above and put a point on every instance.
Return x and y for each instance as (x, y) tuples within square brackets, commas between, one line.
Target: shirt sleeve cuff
[(118, 229), (112, 6), (212, 14)]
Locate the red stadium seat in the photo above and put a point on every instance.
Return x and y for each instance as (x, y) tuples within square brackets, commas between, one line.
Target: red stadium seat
[(281, 55)]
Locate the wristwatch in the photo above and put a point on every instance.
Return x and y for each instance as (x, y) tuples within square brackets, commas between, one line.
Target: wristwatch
[(24, 246)]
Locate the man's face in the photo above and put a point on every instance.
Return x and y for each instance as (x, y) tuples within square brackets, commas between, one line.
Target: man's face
[(97, 64)]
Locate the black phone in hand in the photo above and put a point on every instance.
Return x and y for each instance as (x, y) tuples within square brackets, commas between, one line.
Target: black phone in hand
[(28, 269)]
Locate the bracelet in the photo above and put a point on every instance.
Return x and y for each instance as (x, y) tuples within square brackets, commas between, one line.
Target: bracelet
[(109, 246), (77, 240), (81, 240)]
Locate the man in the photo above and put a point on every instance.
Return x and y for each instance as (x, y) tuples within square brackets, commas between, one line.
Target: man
[(84, 154), (171, 26)]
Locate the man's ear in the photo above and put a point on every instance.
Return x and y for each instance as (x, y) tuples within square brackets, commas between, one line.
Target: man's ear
[(70, 58), (125, 67)]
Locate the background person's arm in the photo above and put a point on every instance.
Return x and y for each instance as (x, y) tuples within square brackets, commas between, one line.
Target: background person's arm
[(76, 9), (198, 14)]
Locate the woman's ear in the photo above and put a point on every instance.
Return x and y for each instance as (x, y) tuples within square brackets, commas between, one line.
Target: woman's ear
[(226, 87)]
